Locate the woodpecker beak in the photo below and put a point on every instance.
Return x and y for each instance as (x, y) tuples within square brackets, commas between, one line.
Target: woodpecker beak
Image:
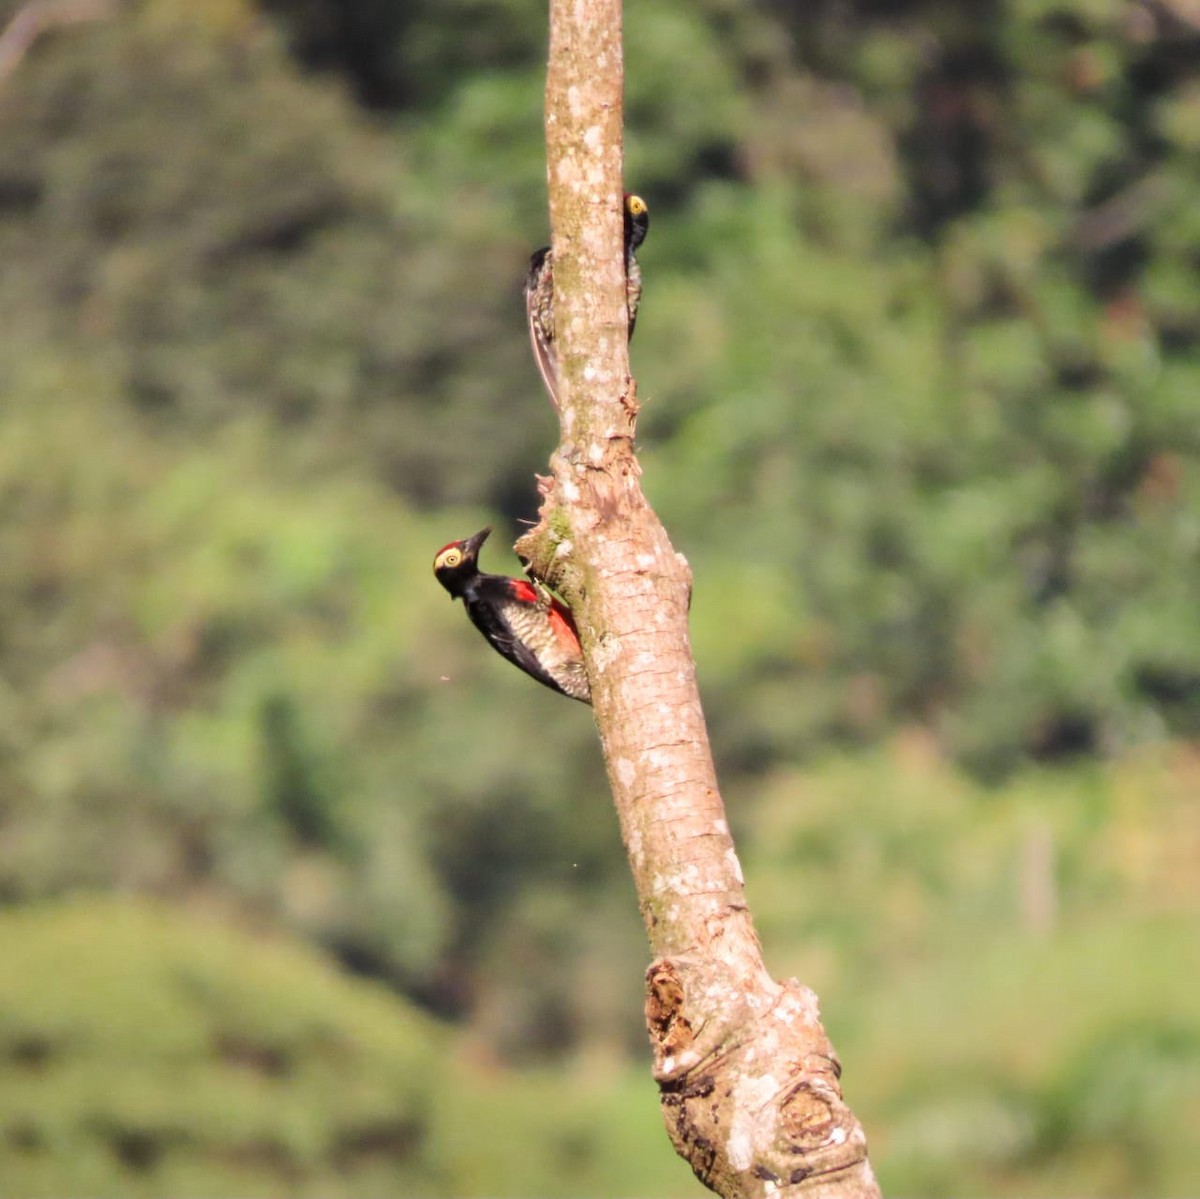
[(472, 545)]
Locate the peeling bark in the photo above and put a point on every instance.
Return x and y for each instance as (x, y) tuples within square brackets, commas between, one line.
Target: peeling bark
[(748, 1080)]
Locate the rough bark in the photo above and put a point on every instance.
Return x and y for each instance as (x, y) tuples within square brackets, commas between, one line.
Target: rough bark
[(748, 1080)]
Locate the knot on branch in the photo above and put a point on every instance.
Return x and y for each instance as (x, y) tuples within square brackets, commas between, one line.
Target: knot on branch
[(748, 1081), (685, 1036), (670, 1033)]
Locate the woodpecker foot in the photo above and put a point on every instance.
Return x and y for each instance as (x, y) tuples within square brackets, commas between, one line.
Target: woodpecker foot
[(629, 400)]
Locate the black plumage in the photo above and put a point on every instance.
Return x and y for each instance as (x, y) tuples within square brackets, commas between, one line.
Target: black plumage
[(524, 623)]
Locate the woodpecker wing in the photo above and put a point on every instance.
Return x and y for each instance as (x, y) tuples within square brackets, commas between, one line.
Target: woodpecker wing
[(539, 313), (534, 631), (633, 291)]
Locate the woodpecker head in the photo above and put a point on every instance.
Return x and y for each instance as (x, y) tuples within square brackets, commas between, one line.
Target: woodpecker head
[(637, 222), (537, 261), (457, 564)]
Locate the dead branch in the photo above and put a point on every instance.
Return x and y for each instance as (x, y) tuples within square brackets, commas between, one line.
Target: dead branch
[(748, 1080), (36, 17)]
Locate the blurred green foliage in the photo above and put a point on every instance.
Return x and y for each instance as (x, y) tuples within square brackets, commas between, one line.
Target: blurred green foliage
[(919, 358), (148, 1054)]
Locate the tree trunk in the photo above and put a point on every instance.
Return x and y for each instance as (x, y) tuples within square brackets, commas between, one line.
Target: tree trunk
[(748, 1080)]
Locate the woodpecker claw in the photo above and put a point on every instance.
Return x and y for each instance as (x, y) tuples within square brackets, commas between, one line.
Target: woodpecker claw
[(629, 400)]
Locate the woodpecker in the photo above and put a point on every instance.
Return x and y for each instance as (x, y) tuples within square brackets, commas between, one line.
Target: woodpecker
[(539, 292), (524, 623)]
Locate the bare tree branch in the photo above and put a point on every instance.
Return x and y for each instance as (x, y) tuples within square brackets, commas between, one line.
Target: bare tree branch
[(33, 19), (748, 1080)]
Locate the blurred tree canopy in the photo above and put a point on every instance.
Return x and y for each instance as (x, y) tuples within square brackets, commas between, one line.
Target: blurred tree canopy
[(919, 357), (188, 1058)]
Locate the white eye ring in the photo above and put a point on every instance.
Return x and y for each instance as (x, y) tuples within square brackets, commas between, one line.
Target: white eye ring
[(452, 557)]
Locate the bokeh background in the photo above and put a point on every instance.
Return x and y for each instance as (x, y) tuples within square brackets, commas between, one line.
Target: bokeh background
[(304, 891)]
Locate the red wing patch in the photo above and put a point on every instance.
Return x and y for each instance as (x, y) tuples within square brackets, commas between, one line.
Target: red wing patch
[(533, 630), (563, 624), (523, 592), (558, 615)]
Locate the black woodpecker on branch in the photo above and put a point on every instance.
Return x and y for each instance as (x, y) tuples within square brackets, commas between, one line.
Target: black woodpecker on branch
[(539, 292), (524, 623)]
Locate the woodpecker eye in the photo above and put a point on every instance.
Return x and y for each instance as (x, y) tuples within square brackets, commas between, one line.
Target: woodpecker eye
[(636, 205), (451, 557)]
